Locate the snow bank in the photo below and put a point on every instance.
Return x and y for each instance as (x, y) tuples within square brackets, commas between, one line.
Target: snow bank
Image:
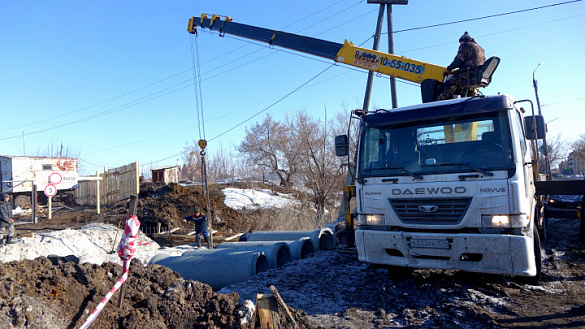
[(96, 243), (93, 243), (236, 198)]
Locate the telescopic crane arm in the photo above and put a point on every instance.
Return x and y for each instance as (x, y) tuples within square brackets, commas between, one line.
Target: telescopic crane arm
[(372, 60)]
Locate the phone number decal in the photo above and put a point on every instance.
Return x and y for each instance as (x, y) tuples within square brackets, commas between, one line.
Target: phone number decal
[(368, 60)]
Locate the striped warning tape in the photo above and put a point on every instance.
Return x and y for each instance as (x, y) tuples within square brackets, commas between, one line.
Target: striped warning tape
[(126, 250), (105, 300)]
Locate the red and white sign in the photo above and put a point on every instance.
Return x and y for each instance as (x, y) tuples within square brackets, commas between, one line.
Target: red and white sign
[(55, 178), (50, 190)]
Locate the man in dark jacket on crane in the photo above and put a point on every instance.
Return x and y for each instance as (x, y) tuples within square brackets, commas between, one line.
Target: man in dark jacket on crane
[(470, 54), (6, 220)]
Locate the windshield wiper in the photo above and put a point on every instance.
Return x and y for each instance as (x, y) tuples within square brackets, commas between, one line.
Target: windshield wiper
[(415, 175), (479, 170)]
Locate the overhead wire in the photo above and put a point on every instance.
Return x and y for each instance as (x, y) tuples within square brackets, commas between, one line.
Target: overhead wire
[(306, 56), (447, 23), (271, 105), (485, 17), (144, 87)]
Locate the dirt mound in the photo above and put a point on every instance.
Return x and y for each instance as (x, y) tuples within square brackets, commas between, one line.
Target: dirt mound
[(55, 292), (169, 204), (157, 203)]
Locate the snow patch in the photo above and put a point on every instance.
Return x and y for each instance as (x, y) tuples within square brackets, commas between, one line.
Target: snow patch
[(93, 243), (236, 198)]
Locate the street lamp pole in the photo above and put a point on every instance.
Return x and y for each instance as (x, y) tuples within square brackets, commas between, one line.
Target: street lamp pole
[(544, 144)]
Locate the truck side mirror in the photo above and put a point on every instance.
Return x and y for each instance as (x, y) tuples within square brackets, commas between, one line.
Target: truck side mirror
[(341, 145), (535, 127)]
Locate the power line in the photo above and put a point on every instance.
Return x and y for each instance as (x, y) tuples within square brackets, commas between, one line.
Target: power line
[(271, 105), (566, 101), (310, 57), (111, 111), (496, 33), (486, 17)]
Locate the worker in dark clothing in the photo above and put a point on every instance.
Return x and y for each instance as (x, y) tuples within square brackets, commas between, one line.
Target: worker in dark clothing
[(6, 220), (200, 221), (470, 54)]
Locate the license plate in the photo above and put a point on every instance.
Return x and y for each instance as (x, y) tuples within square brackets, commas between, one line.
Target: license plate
[(429, 243)]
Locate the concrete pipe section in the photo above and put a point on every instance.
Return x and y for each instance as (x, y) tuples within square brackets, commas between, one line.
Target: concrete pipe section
[(301, 248), (278, 253), (323, 238), (215, 267)]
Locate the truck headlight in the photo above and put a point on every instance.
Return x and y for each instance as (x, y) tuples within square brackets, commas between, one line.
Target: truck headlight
[(504, 221), (371, 219)]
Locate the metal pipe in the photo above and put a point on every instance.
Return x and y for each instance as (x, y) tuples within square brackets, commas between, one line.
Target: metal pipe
[(211, 266)]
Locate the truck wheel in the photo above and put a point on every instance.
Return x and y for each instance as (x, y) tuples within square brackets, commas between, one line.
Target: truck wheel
[(22, 201)]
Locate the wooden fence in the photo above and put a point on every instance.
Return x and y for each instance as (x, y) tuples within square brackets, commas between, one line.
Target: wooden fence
[(115, 185)]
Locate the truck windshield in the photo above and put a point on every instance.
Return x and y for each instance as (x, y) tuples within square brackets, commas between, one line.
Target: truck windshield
[(469, 143)]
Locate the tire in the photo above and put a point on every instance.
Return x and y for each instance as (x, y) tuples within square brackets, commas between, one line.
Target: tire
[(22, 201)]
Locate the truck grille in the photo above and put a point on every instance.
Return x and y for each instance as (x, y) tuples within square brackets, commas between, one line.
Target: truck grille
[(430, 211)]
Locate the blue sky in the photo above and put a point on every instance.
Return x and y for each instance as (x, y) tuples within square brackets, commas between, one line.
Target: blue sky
[(114, 79)]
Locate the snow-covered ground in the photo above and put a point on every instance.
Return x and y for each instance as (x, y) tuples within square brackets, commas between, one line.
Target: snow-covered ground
[(96, 243), (236, 198)]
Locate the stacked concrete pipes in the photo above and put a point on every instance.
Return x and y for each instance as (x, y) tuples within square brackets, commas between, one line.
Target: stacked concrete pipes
[(323, 238), (233, 262)]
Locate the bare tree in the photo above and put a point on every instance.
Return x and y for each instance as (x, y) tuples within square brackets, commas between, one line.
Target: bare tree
[(557, 148), (191, 169), (222, 163), (578, 154), (269, 145), (61, 151), (320, 165), (578, 147)]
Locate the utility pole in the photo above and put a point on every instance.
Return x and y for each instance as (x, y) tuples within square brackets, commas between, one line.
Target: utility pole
[(544, 144), (383, 4), (391, 51), (350, 178)]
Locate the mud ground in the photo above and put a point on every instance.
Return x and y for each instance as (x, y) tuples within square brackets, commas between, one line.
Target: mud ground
[(328, 290), (338, 291)]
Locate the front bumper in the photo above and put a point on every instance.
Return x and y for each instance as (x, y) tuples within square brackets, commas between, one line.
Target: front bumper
[(485, 253)]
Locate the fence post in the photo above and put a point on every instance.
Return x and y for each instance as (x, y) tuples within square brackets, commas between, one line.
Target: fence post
[(33, 203), (97, 202)]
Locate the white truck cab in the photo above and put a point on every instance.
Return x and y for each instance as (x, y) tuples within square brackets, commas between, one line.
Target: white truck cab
[(448, 185)]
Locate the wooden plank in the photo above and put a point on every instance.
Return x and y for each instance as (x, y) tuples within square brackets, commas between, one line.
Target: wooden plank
[(281, 305), (265, 305)]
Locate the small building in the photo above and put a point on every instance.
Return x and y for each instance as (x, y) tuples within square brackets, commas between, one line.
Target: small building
[(165, 174)]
